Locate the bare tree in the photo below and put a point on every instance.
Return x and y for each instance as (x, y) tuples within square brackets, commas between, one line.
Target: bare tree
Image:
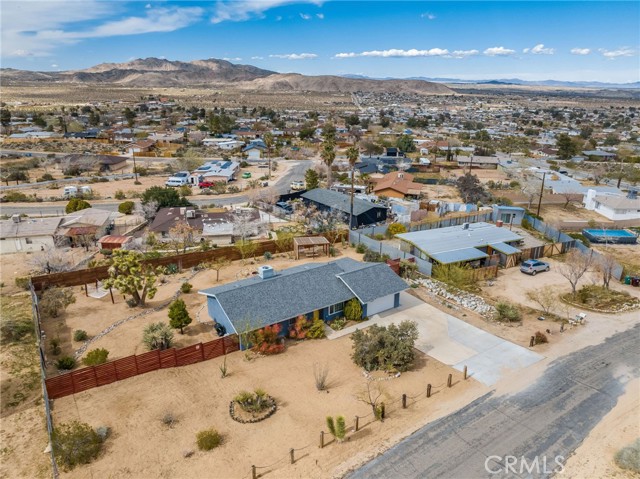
[(218, 265), (320, 374), (51, 260), (606, 264), (575, 265), (531, 192), (148, 211), (546, 297), (181, 236), (372, 393), (245, 224)]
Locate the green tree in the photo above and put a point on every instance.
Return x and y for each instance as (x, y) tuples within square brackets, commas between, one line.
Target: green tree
[(5, 117), (566, 147), (75, 443), (405, 143), (126, 207), (268, 141), (385, 348), (129, 275), (353, 310), (130, 116), (178, 315), (311, 179), (328, 155), (163, 197), (76, 204), (482, 135), (353, 155), (470, 188)]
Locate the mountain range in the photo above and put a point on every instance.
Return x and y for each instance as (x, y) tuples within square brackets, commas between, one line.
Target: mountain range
[(157, 72)]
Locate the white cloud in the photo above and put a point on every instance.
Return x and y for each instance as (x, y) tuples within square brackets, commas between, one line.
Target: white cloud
[(257, 58), (295, 56), (620, 52), (234, 59), (320, 16), (238, 11), (498, 51), (580, 51), (38, 28), (539, 49), (428, 16), (53, 65), (305, 16), (148, 5), (397, 53), (464, 53)]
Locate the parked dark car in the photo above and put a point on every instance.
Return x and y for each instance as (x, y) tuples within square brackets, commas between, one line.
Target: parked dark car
[(534, 266), (286, 207)]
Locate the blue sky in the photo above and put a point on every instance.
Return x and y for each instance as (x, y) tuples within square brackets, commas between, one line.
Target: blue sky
[(571, 41)]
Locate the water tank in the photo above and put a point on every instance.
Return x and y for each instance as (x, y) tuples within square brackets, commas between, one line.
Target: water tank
[(266, 272)]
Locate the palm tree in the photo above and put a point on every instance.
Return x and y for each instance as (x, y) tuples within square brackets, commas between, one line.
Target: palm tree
[(268, 141), (353, 155), (328, 155)]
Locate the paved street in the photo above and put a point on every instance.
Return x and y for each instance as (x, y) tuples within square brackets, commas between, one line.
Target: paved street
[(548, 419), (281, 186)]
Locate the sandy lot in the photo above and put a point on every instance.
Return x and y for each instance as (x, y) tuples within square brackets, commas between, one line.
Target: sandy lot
[(141, 446)]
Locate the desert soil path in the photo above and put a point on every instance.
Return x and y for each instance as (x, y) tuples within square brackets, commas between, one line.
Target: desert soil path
[(548, 419)]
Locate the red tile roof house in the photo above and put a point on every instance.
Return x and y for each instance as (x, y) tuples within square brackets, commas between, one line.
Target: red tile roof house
[(316, 290)]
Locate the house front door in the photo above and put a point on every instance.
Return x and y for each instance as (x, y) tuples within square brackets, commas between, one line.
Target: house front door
[(316, 314)]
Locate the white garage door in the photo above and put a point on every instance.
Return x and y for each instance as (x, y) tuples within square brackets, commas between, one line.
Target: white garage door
[(379, 305)]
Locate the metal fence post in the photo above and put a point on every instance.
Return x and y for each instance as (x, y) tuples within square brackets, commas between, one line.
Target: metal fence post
[(449, 380), (428, 390)]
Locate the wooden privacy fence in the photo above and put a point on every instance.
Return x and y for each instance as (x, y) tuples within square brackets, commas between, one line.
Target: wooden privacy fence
[(96, 376), (187, 260)]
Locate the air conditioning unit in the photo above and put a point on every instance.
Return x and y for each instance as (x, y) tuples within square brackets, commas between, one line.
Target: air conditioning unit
[(191, 213), (266, 272), (465, 226)]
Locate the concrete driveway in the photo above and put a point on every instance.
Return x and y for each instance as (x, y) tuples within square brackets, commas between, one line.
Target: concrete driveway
[(454, 342)]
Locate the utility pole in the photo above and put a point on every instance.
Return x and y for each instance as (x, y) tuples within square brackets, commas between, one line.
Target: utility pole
[(541, 193), (135, 170)]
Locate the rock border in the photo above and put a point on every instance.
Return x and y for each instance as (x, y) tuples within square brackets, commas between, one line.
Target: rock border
[(626, 307), (367, 375), (268, 413)]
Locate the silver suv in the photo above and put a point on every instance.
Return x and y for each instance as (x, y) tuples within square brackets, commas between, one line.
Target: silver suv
[(533, 266)]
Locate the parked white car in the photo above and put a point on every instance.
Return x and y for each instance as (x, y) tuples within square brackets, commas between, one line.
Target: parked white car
[(297, 185)]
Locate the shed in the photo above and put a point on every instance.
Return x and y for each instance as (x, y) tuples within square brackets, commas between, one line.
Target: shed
[(308, 245), (113, 241)]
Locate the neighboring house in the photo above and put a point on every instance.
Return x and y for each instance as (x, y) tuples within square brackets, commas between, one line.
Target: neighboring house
[(508, 214), (364, 212), (471, 243), (600, 155), (22, 234), (316, 290), (612, 206), (222, 143), (218, 227), (141, 146), (215, 171), (483, 162), (253, 151), (397, 184), (84, 226), (113, 241)]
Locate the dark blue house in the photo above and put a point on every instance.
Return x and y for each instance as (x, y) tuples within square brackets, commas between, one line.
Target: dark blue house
[(364, 212), (316, 290)]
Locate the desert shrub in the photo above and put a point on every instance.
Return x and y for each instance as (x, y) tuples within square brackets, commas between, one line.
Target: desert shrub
[(126, 207), (169, 420), (337, 427), (395, 229), (186, 287), (157, 336), (172, 269), (66, 362), (185, 190), (15, 197), (80, 335), (75, 443), (12, 330), (95, 357), (255, 402), (361, 248), (629, 457), (379, 236), (22, 282), (374, 257), (320, 374), (131, 302), (540, 338), (120, 195), (385, 348), (267, 256), (266, 340), (507, 312), (338, 324), (233, 189), (54, 345), (55, 300), (46, 177), (455, 275), (106, 252), (408, 269), (316, 330), (333, 251), (353, 310), (526, 224)]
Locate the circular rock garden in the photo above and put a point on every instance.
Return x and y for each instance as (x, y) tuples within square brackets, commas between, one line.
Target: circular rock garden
[(252, 407)]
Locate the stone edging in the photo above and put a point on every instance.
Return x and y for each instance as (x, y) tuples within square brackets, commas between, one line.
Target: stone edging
[(367, 375), (464, 299), (270, 412), (595, 310)]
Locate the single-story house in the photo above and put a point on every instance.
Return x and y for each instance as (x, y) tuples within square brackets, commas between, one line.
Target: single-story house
[(317, 290), (26, 234), (84, 226), (599, 154), (612, 206), (215, 171), (484, 162), (364, 212), (253, 151), (507, 214), (397, 184), (471, 243), (141, 146)]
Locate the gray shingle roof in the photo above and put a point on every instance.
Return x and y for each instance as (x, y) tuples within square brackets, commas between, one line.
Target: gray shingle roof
[(303, 289), (339, 201), (29, 227)]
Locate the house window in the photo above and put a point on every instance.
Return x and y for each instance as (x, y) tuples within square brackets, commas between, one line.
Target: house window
[(336, 308), (506, 217), (28, 241), (379, 214)]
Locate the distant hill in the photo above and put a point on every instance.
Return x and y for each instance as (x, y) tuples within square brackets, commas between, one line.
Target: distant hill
[(157, 72)]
